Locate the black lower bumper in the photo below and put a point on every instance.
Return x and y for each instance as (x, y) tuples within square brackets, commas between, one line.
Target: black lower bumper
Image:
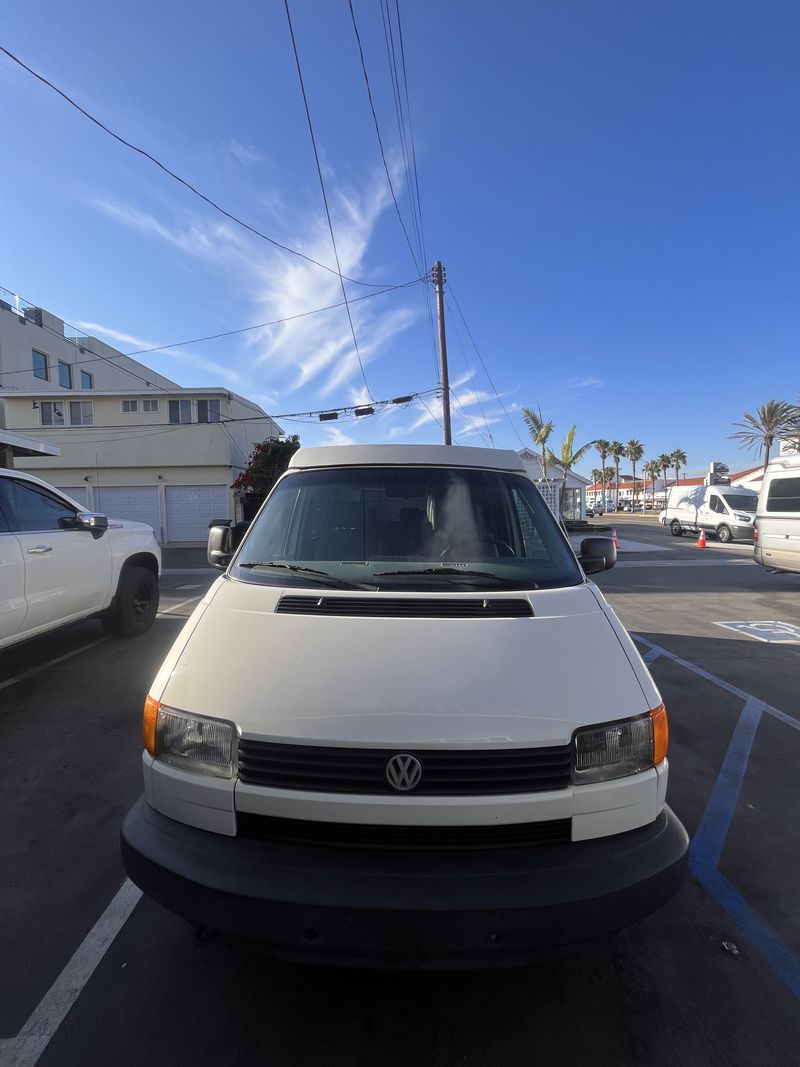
[(384, 909)]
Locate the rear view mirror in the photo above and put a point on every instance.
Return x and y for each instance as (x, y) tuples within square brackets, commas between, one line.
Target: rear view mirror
[(597, 554), (220, 548)]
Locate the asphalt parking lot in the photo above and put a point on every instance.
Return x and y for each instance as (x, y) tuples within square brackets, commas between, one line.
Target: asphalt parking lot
[(91, 973)]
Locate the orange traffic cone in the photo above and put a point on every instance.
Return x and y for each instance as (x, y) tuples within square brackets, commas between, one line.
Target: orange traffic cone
[(701, 540), (616, 539)]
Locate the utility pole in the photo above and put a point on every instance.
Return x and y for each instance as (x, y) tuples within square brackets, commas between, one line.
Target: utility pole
[(438, 283)]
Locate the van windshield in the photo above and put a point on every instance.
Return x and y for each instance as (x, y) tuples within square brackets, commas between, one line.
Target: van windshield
[(740, 503), (407, 528)]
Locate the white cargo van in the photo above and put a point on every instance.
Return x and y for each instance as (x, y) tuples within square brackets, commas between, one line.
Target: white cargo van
[(778, 518), (727, 511), (402, 729)]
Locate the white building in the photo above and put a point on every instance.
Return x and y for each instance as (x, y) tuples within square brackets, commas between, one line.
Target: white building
[(567, 491), (133, 444)]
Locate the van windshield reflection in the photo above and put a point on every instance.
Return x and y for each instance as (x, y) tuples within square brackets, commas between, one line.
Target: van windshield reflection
[(407, 528)]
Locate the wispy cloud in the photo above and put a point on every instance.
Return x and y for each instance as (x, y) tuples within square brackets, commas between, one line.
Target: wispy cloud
[(245, 154), (316, 352), (96, 329)]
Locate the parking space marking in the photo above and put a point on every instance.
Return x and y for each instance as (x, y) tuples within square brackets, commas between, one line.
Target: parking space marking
[(771, 631), (25, 1049), (707, 561), (776, 713), (183, 603), (50, 663), (707, 845)]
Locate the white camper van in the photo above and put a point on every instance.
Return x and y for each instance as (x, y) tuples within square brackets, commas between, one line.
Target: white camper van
[(727, 511), (371, 743), (777, 542)]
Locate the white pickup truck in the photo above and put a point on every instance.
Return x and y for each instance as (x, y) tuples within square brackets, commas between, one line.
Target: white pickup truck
[(60, 564)]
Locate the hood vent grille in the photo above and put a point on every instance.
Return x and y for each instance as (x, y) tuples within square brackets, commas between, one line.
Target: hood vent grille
[(449, 607)]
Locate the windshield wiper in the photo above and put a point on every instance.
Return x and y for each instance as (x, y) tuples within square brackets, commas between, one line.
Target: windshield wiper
[(459, 572), (317, 575)]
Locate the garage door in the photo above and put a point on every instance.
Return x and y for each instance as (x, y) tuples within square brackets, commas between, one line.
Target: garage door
[(190, 508), (136, 502), (77, 492)]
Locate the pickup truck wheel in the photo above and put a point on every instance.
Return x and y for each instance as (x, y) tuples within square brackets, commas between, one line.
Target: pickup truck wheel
[(724, 534), (675, 528), (135, 604)]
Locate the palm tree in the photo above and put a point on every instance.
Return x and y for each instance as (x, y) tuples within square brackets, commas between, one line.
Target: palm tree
[(678, 460), (634, 451), (540, 432), (603, 448), (664, 462), (597, 477), (617, 451), (568, 457), (760, 430), (651, 470)]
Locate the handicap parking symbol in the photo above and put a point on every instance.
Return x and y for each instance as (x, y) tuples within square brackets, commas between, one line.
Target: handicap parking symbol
[(775, 633)]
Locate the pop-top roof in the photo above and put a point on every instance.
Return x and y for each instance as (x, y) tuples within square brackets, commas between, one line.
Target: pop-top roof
[(407, 456)]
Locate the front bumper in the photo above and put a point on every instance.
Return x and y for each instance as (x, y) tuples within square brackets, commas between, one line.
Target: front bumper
[(743, 532), (415, 909)]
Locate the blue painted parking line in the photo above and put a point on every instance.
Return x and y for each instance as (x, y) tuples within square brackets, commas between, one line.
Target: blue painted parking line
[(707, 845)]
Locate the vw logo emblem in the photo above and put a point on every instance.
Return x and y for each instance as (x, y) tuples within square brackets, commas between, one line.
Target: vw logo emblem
[(403, 772)]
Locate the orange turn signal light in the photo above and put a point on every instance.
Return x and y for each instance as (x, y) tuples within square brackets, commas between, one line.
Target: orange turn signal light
[(149, 721), (658, 717)]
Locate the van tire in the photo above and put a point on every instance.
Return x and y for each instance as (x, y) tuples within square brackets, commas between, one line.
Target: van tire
[(135, 603), (675, 528), (724, 534)]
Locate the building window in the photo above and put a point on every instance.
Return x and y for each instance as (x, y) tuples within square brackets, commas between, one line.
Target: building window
[(40, 366), (81, 413), (87, 380), (130, 407), (64, 375), (51, 414), (208, 410), (149, 405), (180, 411)]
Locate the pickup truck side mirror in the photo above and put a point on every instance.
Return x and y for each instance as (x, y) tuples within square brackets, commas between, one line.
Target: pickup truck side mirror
[(220, 547), (597, 554), (86, 520)]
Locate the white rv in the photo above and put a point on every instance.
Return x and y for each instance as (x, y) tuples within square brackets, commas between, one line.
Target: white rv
[(778, 518), (727, 511)]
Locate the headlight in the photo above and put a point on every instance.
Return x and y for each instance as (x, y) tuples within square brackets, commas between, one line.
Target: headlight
[(743, 518), (192, 742), (616, 749)]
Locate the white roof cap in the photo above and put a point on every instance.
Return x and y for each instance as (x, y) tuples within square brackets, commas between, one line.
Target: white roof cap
[(407, 456)]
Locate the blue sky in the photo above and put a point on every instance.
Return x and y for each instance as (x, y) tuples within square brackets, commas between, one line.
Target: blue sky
[(613, 187)]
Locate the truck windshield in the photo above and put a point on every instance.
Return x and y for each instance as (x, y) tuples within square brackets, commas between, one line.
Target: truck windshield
[(740, 503), (407, 528)]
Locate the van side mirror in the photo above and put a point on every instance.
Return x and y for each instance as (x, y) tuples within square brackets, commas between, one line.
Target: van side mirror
[(220, 547), (597, 554)]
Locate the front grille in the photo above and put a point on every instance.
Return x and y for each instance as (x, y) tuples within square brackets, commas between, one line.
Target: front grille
[(409, 838), (455, 772), (404, 607)]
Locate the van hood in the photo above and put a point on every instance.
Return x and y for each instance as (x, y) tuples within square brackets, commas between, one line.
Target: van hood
[(401, 681)]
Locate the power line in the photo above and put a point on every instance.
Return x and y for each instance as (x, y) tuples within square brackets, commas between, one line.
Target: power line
[(158, 428), (391, 58), (469, 371), (469, 419), (417, 256), (438, 423), (324, 194), (378, 134), (209, 337), (176, 177), (485, 369)]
